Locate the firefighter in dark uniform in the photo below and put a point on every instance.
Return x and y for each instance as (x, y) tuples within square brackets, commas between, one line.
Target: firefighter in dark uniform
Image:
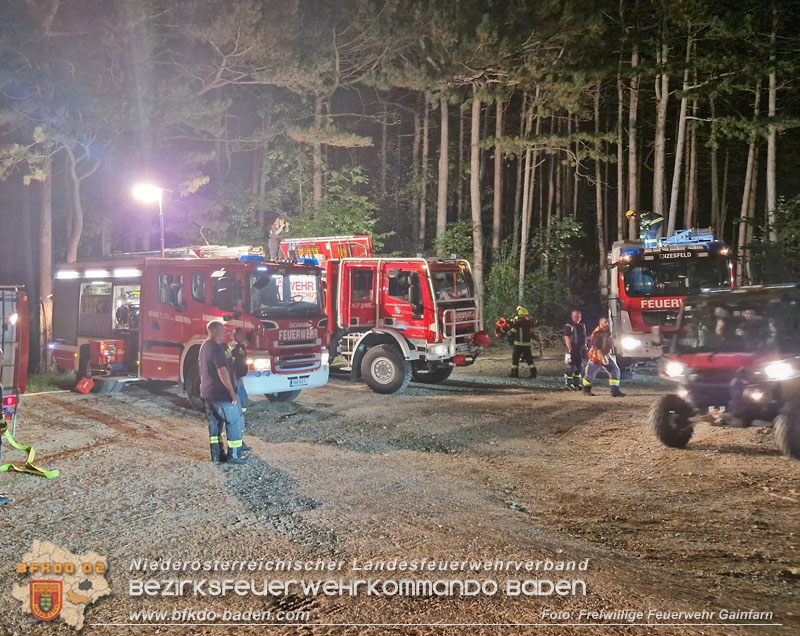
[(650, 224), (521, 328), (238, 350), (574, 333)]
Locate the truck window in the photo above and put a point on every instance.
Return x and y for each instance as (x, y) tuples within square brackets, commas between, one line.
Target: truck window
[(226, 291), (94, 318), (399, 284), (170, 289), (363, 288), (199, 287)]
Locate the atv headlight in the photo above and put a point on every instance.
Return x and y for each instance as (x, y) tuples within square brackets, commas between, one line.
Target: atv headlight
[(674, 369), (779, 370)]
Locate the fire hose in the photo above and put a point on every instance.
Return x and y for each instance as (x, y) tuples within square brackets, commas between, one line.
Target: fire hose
[(29, 466)]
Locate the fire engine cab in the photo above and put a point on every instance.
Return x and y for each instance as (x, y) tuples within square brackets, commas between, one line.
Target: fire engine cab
[(145, 316), (391, 318), (647, 285)]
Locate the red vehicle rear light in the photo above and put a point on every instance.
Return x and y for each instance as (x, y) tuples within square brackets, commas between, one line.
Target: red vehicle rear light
[(9, 400), (481, 339)]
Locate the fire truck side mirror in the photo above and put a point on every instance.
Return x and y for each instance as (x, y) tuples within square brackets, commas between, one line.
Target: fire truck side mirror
[(657, 340), (604, 282)]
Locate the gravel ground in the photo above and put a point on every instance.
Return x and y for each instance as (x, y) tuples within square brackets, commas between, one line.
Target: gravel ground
[(482, 466)]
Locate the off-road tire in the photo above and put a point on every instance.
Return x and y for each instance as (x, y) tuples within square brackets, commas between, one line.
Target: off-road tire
[(787, 434), (284, 396), (191, 383), (669, 417), (385, 370), (432, 376)]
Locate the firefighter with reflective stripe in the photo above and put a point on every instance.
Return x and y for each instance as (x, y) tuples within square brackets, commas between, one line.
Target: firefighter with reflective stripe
[(521, 328), (574, 333), (601, 343), (650, 224)]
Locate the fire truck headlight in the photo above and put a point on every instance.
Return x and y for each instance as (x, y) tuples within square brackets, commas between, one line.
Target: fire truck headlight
[(325, 358), (674, 369), (12, 318), (260, 364), (438, 351), (779, 370), (629, 343)]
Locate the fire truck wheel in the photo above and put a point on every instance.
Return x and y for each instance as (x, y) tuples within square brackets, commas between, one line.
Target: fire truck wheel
[(285, 396), (385, 370), (432, 376), (787, 434), (192, 385), (669, 417)]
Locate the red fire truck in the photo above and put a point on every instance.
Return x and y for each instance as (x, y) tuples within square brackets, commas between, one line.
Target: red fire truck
[(648, 284), (14, 342), (327, 247), (144, 316), (391, 318)]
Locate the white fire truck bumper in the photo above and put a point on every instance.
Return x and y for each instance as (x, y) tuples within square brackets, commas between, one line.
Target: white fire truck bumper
[(638, 346), (263, 382)]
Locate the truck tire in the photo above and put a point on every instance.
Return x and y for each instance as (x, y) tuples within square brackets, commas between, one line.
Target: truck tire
[(285, 396), (385, 370), (191, 380), (669, 417), (432, 376), (787, 434)]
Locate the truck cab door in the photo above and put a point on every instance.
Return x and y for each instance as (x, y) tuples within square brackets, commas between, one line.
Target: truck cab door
[(359, 295), (405, 297), (162, 322)]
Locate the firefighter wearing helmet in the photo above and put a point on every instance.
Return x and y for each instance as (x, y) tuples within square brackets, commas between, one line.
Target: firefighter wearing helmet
[(650, 224), (601, 343), (521, 328)]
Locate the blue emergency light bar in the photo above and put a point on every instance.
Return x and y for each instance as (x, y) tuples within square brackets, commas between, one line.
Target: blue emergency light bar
[(252, 258), (308, 261)]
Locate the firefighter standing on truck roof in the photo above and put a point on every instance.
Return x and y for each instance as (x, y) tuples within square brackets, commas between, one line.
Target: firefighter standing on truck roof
[(219, 396), (600, 345), (279, 226), (650, 224), (574, 333), (521, 327)]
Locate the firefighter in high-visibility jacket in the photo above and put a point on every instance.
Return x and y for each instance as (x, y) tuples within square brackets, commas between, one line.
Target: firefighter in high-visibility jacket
[(601, 342), (521, 328), (650, 223)]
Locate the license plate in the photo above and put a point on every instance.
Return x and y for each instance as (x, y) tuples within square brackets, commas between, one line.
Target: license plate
[(298, 382)]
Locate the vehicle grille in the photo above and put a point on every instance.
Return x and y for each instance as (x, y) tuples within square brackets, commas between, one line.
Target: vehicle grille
[(300, 362), (659, 318)]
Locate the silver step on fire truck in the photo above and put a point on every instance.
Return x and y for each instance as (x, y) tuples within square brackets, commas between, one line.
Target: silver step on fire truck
[(141, 316), (394, 318), (648, 282)]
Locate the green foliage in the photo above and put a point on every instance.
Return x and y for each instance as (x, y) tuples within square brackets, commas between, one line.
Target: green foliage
[(343, 210), (457, 239), (779, 261)]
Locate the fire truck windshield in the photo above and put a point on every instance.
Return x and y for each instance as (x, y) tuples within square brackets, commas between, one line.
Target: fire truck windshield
[(450, 285), (675, 278), (281, 293)]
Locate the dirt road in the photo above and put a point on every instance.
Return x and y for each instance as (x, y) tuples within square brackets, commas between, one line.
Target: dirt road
[(480, 467)]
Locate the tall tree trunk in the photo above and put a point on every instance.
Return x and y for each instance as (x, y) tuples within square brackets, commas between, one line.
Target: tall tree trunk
[(31, 274), (475, 197), (316, 151), (633, 155), (576, 174), (444, 167), (46, 259), (415, 176), (75, 227), (518, 184), (423, 200), (621, 199), (527, 189), (460, 177), (551, 176), (659, 151), (679, 144), (690, 214), (600, 220), (497, 203), (723, 204), (772, 133), (384, 159), (484, 135), (714, 149), (748, 184)]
